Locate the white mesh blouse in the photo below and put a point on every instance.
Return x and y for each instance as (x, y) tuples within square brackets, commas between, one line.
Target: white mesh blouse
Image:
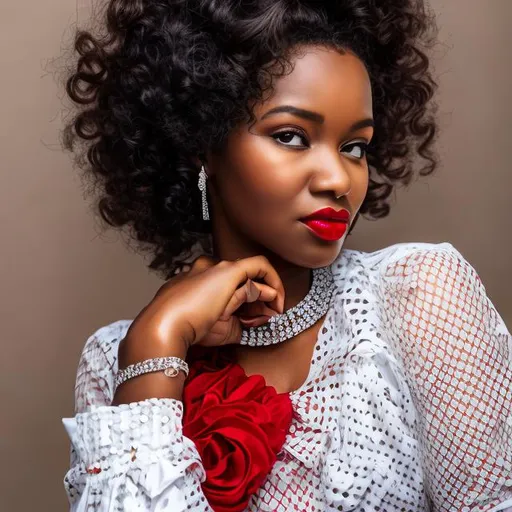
[(407, 405)]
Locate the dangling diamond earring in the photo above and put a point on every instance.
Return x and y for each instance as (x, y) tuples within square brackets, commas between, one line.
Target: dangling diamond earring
[(202, 187)]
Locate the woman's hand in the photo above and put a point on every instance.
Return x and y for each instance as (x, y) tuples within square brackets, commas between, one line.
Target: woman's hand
[(197, 307)]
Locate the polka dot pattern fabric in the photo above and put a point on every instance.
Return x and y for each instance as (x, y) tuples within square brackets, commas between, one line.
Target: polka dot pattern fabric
[(407, 405)]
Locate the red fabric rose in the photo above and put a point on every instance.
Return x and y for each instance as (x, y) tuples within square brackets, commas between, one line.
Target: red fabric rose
[(238, 425)]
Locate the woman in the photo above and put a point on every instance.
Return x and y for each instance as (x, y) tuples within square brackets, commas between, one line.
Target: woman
[(275, 370)]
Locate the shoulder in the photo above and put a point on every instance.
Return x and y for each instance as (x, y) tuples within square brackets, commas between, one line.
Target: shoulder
[(100, 347), (98, 364), (427, 273), (439, 268), (378, 259), (436, 293), (401, 261), (109, 332)]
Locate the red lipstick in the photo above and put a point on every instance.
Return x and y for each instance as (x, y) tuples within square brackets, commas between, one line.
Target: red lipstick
[(327, 223)]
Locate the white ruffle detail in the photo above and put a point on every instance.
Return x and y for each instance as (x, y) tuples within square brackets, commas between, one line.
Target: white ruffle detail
[(357, 461)]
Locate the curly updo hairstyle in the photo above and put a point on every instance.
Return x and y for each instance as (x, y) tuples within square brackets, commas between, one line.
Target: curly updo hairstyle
[(158, 82)]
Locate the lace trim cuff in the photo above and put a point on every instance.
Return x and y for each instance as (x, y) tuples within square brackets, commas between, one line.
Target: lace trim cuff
[(140, 431)]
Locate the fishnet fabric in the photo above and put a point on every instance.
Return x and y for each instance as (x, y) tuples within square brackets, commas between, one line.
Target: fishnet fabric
[(407, 405), (456, 354)]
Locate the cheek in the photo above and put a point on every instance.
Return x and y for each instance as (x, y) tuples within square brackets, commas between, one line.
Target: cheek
[(261, 175)]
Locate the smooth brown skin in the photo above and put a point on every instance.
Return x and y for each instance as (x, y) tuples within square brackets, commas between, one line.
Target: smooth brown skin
[(259, 186)]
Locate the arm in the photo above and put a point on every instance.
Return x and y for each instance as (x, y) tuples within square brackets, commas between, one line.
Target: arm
[(131, 455), (457, 356), (130, 448)]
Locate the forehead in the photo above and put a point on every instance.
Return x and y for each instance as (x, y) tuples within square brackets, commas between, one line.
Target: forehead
[(327, 81)]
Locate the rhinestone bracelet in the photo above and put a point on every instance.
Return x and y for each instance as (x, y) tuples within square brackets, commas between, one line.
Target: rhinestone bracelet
[(170, 365)]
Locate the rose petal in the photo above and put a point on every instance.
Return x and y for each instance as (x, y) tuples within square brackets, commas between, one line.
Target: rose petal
[(215, 455), (238, 425)]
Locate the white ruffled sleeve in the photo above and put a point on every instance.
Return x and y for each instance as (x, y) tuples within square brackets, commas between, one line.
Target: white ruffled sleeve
[(127, 457), (457, 357)]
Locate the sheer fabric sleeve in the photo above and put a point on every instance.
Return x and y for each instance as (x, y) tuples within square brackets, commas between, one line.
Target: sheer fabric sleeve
[(127, 457), (457, 357)]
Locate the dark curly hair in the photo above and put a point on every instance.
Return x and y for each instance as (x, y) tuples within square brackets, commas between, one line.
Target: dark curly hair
[(163, 81)]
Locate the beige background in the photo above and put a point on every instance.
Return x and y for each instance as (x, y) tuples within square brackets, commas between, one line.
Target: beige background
[(61, 279)]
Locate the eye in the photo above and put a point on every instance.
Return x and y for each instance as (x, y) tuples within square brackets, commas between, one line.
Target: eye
[(290, 138), (360, 149)]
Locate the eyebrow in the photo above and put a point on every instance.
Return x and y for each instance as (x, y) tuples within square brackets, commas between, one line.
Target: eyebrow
[(314, 116)]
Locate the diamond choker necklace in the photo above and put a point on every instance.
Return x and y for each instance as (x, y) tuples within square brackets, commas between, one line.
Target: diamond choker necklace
[(297, 319)]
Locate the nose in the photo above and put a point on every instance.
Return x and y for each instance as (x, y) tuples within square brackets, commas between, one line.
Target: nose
[(331, 175)]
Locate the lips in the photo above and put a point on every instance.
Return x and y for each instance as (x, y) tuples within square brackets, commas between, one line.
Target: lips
[(327, 223)]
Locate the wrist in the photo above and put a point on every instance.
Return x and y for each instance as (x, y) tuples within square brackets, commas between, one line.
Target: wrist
[(141, 344), (149, 385)]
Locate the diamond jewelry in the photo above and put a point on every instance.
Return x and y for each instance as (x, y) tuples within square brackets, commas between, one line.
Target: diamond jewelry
[(171, 366), (297, 319), (202, 187)]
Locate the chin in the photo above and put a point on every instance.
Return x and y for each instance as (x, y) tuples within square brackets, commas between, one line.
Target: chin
[(316, 251), (320, 255)]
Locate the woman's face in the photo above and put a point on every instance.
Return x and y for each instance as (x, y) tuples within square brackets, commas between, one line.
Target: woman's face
[(306, 151)]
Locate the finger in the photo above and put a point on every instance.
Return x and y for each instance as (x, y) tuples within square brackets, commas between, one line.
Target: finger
[(258, 267), (266, 292), (247, 293), (254, 321), (251, 292)]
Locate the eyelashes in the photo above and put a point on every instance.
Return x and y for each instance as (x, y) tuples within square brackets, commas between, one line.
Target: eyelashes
[(361, 146), (286, 137), (285, 134)]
